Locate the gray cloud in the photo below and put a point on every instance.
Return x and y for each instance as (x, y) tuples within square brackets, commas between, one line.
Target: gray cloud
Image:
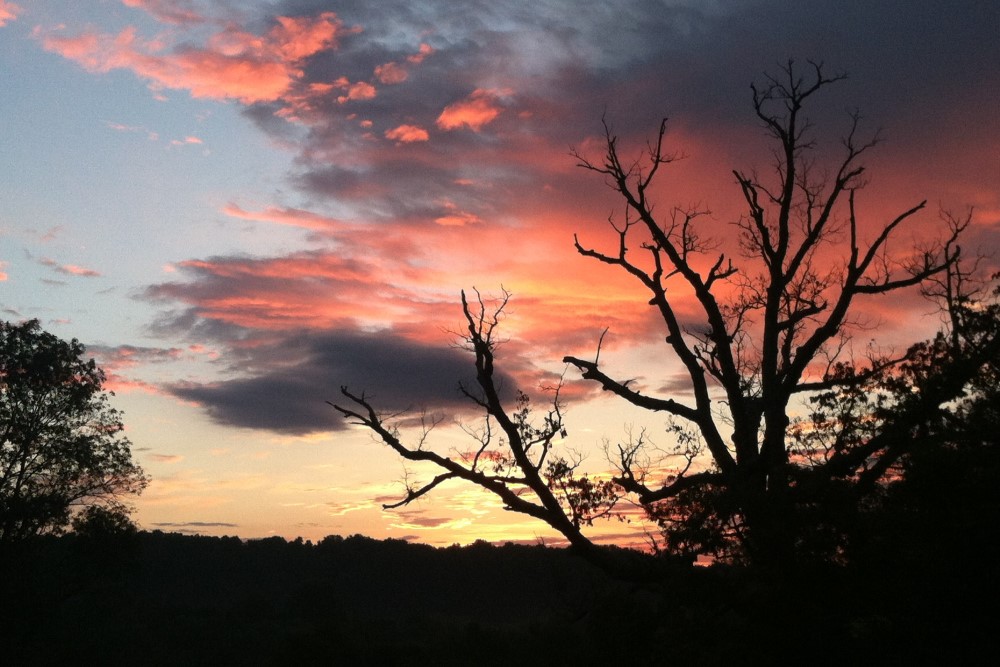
[(288, 393)]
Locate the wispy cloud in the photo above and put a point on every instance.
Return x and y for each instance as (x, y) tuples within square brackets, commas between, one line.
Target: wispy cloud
[(69, 269), (186, 141), (286, 216), (178, 12), (167, 458)]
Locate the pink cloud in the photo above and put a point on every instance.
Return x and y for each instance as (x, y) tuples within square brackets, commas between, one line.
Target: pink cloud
[(406, 134), (3, 274), (418, 57), (122, 385), (285, 216), (8, 12), (477, 110), (233, 64), (69, 269)]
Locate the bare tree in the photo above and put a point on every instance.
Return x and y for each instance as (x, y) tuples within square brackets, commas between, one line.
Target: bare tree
[(514, 455), (774, 325), (774, 329)]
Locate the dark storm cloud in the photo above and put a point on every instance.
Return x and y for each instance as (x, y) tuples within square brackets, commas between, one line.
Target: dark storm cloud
[(301, 372)]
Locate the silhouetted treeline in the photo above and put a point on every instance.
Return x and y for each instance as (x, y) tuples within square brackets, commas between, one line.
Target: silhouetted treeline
[(170, 599)]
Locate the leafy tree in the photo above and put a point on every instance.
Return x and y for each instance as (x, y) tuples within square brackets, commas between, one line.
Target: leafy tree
[(97, 522), (61, 444), (936, 424), (773, 331)]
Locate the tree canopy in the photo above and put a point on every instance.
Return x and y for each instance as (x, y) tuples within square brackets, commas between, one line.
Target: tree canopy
[(772, 334), (62, 447)]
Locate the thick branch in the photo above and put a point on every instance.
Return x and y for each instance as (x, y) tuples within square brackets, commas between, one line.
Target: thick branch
[(681, 483)]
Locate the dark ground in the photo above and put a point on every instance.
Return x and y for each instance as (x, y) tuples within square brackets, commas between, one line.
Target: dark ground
[(169, 599)]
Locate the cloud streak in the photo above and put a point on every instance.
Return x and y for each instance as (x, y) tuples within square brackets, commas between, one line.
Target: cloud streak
[(69, 269)]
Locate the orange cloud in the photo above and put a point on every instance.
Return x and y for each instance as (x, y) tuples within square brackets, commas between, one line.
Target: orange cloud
[(360, 90), (8, 12), (477, 110), (3, 274), (406, 134), (235, 64)]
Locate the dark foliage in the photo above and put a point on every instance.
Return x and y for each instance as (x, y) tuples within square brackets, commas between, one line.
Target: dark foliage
[(61, 444)]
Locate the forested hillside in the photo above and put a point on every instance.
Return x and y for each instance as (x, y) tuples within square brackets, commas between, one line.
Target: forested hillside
[(170, 599)]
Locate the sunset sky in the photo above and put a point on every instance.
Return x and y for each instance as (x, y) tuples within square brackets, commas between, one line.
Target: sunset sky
[(240, 206)]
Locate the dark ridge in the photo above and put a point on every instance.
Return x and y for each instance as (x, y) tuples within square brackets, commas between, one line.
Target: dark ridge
[(170, 599)]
